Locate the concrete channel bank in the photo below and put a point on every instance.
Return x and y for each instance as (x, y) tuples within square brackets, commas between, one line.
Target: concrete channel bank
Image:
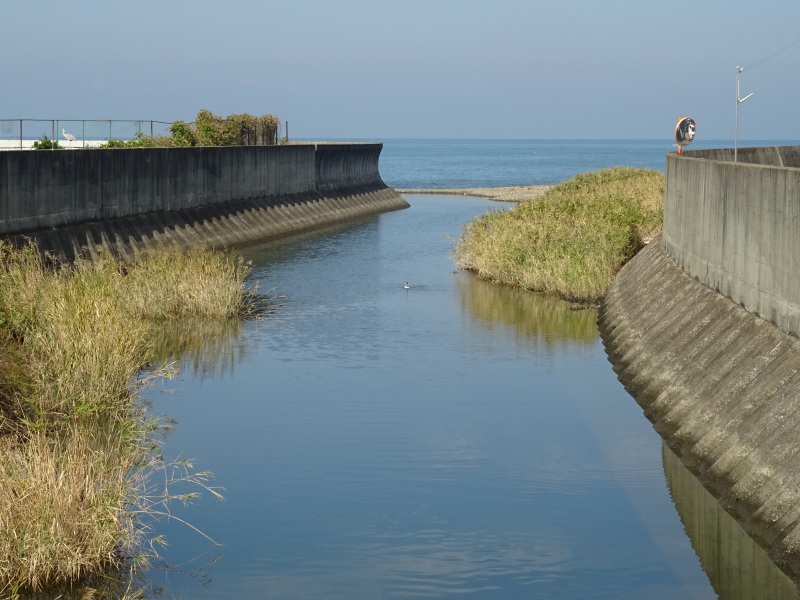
[(129, 199), (701, 328)]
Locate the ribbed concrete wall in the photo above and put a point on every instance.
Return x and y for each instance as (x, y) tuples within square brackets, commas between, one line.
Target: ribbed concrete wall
[(130, 198), (720, 385), (217, 226), (702, 328)]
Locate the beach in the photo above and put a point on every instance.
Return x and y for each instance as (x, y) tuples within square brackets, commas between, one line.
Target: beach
[(500, 194)]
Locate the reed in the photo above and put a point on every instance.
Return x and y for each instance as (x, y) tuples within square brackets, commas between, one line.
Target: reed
[(76, 451), (572, 240), (62, 505), (198, 283)]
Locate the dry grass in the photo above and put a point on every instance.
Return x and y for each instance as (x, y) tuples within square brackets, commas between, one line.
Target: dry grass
[(572, 240), (75, 451), (197, 283), (62, 511)]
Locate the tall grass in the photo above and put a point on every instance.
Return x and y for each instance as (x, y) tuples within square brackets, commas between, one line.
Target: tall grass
[(196, 283), (62, 505), (571, 241), (75, 449)]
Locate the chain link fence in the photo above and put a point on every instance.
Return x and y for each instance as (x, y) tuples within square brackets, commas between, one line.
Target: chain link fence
[(20, 134)]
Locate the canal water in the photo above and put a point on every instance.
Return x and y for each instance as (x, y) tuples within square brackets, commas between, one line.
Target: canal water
[(455, 439)]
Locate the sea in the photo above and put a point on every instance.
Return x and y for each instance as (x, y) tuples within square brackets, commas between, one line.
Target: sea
[(471, 163)]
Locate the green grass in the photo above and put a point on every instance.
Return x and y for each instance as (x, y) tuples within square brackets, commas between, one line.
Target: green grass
[(76, 450), (571, 241)]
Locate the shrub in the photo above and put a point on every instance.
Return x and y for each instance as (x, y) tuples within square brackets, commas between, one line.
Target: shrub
[(140, 140), (210, 130), (182, 134), (46, 144), (207, 130), (235, 130)]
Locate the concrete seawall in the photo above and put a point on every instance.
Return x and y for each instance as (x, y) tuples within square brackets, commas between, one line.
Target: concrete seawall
[(736, 227), (127, 199), (701, 328)]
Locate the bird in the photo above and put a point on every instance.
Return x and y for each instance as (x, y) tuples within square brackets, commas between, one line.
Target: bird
[(69, 136), (406, 286)]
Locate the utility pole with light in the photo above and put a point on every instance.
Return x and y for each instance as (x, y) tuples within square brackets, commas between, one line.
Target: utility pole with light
[(738, 102)]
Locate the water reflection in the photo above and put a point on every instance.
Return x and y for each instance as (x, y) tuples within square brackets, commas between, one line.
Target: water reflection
[(205, 347), (114, 584), (736, 565), (539, 320), (429, 564)]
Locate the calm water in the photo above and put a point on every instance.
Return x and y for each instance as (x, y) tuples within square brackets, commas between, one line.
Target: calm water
[(441, 164), (453, 440), (436, 164)]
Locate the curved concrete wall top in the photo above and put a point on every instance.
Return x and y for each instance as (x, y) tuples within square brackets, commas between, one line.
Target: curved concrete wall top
[(774, 156), (42, 190), (345, 166), (736, 226)]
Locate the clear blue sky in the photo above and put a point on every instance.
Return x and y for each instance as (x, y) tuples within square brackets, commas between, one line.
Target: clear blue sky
[(413, 68)]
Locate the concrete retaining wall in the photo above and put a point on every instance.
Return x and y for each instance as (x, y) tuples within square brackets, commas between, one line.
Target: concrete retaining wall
[(701, 328), (131, 198), (736, 227)]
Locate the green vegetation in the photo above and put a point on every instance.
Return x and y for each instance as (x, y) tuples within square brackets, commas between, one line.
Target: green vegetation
[(46, 144), (140, 140), (77, 451), (571, 241), (211, 130)]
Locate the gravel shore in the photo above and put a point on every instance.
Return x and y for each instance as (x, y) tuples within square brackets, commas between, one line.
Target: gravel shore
[(501, 194)]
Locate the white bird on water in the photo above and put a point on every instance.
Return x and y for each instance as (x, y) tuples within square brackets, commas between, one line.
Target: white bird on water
[(69, 136), (406, 286)]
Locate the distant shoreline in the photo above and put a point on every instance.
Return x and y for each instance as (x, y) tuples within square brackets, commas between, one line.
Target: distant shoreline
[(500, 194)]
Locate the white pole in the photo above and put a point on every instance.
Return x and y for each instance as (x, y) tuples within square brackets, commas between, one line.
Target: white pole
[(738, 102), (736, 129)]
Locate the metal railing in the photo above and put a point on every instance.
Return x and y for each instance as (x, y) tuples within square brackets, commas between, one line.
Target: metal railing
[(20, 134)]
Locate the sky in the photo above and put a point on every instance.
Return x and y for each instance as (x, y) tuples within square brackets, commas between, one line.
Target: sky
[(378, 69)]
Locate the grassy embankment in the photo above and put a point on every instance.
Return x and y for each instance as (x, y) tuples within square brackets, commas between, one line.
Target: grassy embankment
[(572, 240), (76, 451)]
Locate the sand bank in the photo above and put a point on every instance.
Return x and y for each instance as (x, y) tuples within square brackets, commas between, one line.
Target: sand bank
[(501, 194)]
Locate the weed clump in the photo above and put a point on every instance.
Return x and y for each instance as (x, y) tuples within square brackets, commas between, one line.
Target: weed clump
[(571, 241)]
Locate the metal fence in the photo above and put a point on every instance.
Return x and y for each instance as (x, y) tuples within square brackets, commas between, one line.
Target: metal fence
[(20, 134)]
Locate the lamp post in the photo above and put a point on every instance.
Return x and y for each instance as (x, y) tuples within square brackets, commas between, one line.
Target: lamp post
[(738, 102)]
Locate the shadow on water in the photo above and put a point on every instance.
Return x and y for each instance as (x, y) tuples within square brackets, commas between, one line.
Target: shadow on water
[(737, 567)]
